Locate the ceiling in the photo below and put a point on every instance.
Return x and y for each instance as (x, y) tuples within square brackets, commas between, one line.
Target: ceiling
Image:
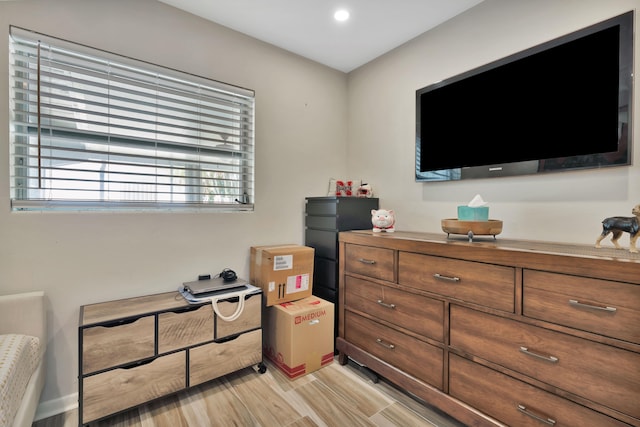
[(307, 27)]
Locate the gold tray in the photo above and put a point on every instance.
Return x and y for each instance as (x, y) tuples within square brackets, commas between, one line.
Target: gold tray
[(491, 227)]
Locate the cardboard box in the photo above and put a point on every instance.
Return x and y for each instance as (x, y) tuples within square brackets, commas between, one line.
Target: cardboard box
[(283, 272), (298, 336)]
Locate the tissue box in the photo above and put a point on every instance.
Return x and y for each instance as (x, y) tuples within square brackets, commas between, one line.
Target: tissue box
[(466, 213)]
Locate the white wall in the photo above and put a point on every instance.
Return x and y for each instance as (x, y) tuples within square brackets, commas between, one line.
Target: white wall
[(563, 207), (313, 123), (81, 258)]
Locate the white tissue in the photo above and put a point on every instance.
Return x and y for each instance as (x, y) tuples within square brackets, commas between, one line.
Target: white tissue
[(477, 202)]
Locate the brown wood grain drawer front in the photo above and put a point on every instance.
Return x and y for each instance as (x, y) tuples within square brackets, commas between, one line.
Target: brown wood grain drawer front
[(419, 314), (108, 346), (485, 284), (213, 360), (369, 261), (119, 389), (411, 355), (595, 371), (182, 329), (604, 307), (516, 403), (251, 317)]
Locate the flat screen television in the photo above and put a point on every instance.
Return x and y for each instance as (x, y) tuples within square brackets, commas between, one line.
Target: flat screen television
[(562, 105)]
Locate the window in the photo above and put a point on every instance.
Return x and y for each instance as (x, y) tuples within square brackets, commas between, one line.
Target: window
[(93, 130)]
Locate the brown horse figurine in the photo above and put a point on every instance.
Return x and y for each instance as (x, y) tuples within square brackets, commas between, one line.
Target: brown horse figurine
[(622, 224)]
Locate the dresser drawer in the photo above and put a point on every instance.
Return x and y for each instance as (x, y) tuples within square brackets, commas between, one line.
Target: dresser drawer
[(346, 213), (322, 207), (397, 307), (117, 343), (133, 386), (213, 360), (324, 242), (369, 261), (600, 306), (354, 219), (408, 354), (595, 371), (325, 273), (485, 284), (251, 317), (516, 403), (323, 222), (183, 328)]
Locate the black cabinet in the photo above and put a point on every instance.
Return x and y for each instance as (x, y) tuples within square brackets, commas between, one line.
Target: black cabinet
[(324, 218)]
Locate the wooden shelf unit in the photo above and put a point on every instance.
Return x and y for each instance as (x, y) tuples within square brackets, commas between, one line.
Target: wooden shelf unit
[(135, 350), (496, 332)]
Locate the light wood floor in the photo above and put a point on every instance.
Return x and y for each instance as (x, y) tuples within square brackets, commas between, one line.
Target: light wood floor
[(332, 396)]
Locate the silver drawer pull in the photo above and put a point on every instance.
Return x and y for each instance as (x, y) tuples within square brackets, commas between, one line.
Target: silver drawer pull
[(366, 261), (551, 359), (384, 304), (527, 412), (382, 343), (577, 303), (451, 279)]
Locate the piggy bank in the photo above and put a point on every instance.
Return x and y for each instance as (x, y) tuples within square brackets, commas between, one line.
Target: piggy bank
[(383, 220)]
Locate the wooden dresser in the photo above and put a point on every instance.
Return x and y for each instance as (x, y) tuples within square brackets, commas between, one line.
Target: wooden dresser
[(496, 332), (135, 350)]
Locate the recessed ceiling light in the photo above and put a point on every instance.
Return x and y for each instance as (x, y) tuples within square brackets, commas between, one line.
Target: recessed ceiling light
[(341, 15)]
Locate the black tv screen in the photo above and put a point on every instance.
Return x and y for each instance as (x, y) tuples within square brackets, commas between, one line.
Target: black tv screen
[(561, 105)]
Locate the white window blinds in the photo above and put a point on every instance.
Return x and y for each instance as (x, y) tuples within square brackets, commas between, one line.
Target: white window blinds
[(93, 130)]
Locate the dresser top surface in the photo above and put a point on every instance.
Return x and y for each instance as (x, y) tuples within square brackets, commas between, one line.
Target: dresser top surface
[(570, 258), (129, 307), (509, 244)]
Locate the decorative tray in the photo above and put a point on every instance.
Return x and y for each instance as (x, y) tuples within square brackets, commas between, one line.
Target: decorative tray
[(491, 227)]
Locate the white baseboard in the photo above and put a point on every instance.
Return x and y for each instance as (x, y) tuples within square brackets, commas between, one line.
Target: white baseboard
[(57, 406)]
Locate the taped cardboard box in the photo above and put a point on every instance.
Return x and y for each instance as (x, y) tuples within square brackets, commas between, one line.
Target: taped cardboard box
[(283, 272), (298, 336)]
